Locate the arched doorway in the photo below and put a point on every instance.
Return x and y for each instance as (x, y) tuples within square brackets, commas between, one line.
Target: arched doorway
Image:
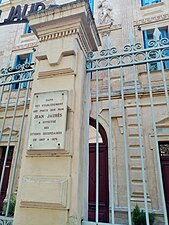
[(103, 174)]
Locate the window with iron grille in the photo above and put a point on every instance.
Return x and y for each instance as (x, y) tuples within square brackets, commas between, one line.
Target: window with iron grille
[(149, 2), (20, 60), (91, 3), (4, 1), (148, 35), (27, 29)]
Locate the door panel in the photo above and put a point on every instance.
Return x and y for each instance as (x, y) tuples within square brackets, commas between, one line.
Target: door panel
[(165, 173), (6, 174), (103, 181), (164, 153)]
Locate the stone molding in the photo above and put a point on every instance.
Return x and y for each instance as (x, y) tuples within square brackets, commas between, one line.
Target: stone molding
[(40, 186), (68, 32), (25, 46), (163, 124), (62, 21), (58, 34), (106, 29), (7, 131), (152, 6), (153, 19)]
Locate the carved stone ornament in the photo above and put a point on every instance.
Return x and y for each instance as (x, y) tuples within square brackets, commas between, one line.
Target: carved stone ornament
[(152, 19), (105, 13)]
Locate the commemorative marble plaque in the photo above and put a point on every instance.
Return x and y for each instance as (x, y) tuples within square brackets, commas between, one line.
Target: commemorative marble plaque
[(48, 121)]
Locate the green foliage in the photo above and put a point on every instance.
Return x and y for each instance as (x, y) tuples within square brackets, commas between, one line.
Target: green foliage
[(139, 217), (11, 206)]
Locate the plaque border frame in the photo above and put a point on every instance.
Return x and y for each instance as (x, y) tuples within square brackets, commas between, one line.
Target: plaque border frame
[(54, 150)]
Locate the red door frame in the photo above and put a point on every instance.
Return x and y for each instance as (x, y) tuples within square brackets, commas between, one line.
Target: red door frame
[(103, 177)]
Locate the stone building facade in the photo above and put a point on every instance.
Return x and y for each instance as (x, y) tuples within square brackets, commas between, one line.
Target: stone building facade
[(126, 124)]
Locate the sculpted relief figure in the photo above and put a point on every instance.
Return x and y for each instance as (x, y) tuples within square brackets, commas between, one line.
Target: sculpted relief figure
[(104, 12)]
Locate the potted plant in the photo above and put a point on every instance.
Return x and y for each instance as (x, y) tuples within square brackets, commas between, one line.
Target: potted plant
[(11, 206), (139, 217)]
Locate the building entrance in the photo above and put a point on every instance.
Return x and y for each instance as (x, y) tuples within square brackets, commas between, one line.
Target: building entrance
[(164, 153), (119, 83), (103, 175)]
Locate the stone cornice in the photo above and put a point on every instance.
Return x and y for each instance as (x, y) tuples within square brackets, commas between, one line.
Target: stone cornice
[(80, 31), (68, 32), (153, 19), (74, 18), (104, 29), (59, 34), (60, 8), (65, 11), (25, 46)]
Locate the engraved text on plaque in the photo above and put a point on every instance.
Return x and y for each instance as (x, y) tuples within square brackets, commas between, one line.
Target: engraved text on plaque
[(48, 121)]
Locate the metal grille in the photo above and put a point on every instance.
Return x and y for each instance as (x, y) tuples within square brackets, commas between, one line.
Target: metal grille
[(133, 61), (15, 87), (164, 149)]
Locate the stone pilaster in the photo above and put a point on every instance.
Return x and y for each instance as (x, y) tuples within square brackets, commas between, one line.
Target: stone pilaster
[(53, 182)]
